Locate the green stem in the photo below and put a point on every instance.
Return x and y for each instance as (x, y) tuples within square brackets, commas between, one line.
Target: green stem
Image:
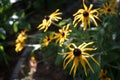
[(56, 24)]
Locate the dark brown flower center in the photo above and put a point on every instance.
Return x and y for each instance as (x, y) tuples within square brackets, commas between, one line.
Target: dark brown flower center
[(47, 17), (104, 77), (109, 10), (48, 39), (85, 14), (104, 71), (77, 52), (63, 34)]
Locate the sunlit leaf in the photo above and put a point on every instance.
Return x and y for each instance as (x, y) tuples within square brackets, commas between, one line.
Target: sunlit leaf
[(15, 27)]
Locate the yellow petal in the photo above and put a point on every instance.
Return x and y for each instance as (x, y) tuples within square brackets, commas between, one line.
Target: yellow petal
[(92, 58), (88, 64), (88, 49), (70, 57), (85, 7), (76, 65), (71, 44), (72, 68), (94, 20), (86, 45), (91, 5), (83, 64)]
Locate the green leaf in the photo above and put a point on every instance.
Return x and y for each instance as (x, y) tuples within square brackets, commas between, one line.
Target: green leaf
[(15, 27), (65, 21), (3, 55), (22, 15), (1, 48), (110, 56), (59, 60), (2, 36), (50, 50)]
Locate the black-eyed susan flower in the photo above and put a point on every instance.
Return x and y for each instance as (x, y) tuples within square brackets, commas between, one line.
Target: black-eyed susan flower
[(103, 76), (19, 47), (20, 41), (109, 7), (21, 37), (47, 39), (114, 3), (62, 35), (78, 54), (85, 16), (47, 21)]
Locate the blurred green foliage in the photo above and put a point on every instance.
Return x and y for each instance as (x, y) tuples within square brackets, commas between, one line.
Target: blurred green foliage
[(11, 22), (17, 15)]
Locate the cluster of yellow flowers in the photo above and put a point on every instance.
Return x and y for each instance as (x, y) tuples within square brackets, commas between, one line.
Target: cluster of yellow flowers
[(20, 41), (77, 53)]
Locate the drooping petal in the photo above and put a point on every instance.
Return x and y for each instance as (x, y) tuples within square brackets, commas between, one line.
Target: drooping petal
[(83, 64), (94, 20), (76, 61), (69, 58), (92, 58), (72, 68), (88, 64)]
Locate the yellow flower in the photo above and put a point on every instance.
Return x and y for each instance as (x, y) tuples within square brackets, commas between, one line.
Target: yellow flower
[(33, 58), (62, 35), (103, 76), (47, 39), (21, 37), (113, 3), (19, 47), (48, 20), (20, 41), (85, 16), (78, 54), (109, 7)]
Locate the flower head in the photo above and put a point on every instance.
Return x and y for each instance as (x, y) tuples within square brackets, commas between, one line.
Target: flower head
[(78, 54), (21, 37), (62, 35), (47, 39), (109, 7), (48, 20), (103, 76), (85, 16), (19, 47), (114, 3), (20, 41)]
